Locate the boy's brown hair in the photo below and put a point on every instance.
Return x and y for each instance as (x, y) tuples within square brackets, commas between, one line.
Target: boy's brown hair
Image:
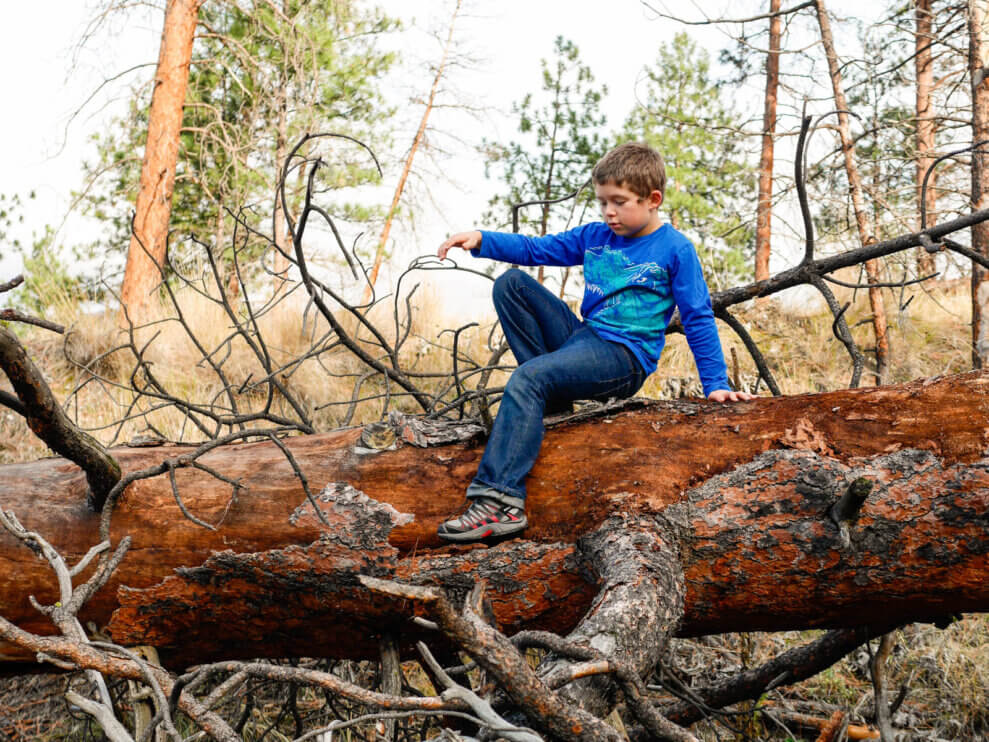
[(632, 165)]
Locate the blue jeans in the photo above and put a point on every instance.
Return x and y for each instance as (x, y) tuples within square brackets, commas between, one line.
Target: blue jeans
[(560, 359)]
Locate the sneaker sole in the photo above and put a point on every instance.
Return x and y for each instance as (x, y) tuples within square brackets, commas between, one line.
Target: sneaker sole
[(489, 530)]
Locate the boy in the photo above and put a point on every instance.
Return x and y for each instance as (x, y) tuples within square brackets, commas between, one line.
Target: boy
[(636, 268)]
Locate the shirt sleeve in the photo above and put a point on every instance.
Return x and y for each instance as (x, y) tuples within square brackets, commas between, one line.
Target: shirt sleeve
[(565, 248), (694, 301)]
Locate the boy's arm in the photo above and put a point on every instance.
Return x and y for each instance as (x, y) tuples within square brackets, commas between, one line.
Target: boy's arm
[(565, 248), (694, 301)]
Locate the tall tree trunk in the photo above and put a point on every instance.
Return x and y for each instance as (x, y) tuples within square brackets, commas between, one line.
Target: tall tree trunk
[(764, 208), (926, 127), (146, 254), (866, 235), (379, 253), (281, 263), (978, 17)]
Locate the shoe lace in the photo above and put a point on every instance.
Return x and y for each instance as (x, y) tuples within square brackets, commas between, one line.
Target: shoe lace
[(479, 511)]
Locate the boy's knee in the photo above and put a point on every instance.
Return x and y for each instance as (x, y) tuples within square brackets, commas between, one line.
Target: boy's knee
[(523, 382), (508, 283)]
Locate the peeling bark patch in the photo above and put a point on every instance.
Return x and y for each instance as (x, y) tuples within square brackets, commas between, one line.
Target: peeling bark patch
[(932, 554), (352, 515), (803, 435), (421, 432)]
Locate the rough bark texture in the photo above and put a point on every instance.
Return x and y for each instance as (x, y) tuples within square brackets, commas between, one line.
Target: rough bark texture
[(148, 243), (741, 492), (764, 208), (638, 605)]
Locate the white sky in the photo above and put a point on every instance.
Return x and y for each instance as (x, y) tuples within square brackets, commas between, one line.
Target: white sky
[(41, 147)]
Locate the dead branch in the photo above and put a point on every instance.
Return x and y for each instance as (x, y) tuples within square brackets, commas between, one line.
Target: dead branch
[(749, 19), (492, 651), (50, 423), (877, 671), (792, 666), (485, 713)]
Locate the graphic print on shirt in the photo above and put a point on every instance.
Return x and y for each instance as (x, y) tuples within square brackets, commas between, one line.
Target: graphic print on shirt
[(607, 271)]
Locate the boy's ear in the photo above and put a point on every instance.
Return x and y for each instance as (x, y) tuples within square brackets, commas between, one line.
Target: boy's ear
[(655, 199)]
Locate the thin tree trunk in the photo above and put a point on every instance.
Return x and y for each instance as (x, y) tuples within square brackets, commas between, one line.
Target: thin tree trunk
[(379, 253), (978, 62), (231, 281), (280, 264), (146, 253), (866, 236), (550, 171), (764, 208), (926, 127)]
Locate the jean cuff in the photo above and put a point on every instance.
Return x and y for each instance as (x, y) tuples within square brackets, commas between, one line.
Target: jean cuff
[(476, 489)]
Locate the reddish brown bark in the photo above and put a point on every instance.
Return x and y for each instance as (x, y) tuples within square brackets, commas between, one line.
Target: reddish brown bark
[(764, 208), (865, 232), (739, 492), (978, 35), (926, 126), (146, 253)]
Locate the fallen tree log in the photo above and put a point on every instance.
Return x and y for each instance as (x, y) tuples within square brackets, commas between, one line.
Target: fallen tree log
[(660, 517)]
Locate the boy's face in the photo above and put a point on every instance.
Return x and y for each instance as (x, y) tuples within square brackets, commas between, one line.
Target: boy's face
[(627, 213)]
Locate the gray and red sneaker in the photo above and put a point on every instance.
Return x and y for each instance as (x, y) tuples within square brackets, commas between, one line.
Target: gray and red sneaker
[(484, 518)]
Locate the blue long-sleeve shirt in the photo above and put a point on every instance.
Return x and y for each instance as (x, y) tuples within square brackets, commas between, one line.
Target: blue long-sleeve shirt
[(631, 287)]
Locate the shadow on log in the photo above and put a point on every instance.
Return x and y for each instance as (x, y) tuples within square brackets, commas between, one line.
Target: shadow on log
[(660, 517)]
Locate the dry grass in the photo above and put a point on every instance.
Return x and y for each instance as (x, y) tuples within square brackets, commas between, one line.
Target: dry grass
[(946, 674), (92, 372), (929, 336)]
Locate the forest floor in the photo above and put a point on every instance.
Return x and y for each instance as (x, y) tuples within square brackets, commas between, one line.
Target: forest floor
[(939, 678)]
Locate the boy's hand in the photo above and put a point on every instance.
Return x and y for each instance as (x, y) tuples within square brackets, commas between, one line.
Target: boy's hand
[(466, 240), (726, 395)]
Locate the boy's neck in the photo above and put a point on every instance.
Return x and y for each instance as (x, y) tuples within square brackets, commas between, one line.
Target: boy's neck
[(655, 222)]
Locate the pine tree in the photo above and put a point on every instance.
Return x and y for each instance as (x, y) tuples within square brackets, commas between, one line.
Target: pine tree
[(710, 180), (560, 125), (262, 75)]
